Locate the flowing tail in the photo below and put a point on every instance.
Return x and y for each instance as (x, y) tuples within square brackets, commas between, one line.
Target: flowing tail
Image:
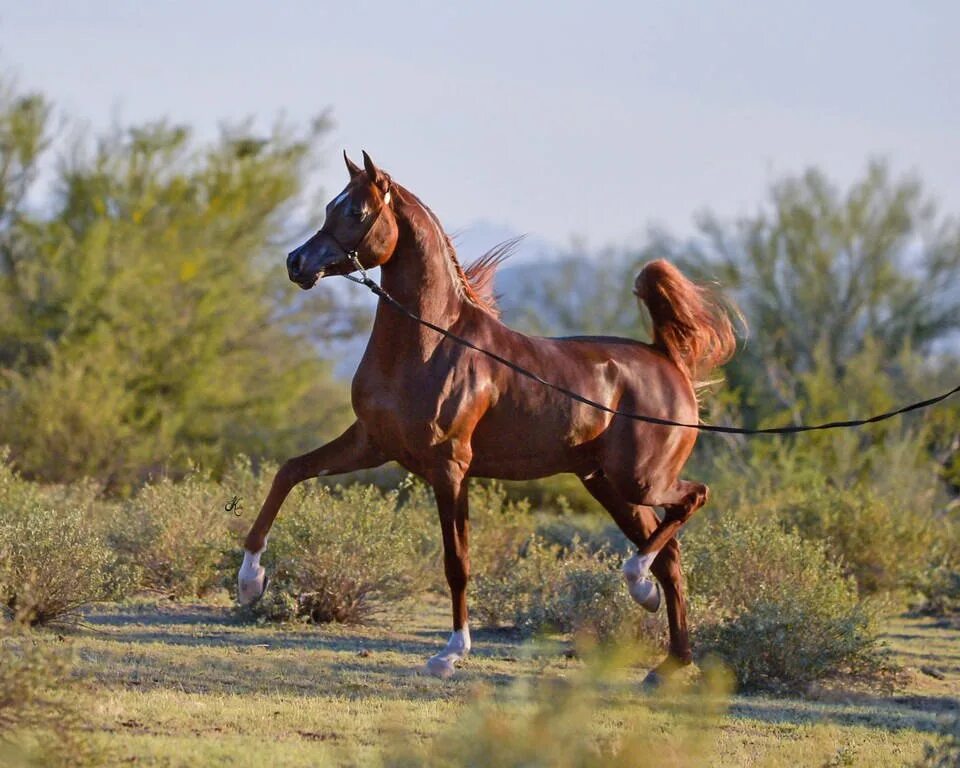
[(690, 324)]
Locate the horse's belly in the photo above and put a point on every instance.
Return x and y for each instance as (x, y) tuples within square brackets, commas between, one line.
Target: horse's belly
[(518, 446)]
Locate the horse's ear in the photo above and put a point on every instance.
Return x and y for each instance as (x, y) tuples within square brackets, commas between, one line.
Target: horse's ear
[(375, 175), (352, 167)]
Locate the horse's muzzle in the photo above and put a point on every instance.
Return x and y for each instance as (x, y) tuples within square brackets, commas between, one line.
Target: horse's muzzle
[(312, 261)]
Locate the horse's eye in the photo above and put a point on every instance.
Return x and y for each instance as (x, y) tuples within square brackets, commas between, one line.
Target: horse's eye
[(356, 213)]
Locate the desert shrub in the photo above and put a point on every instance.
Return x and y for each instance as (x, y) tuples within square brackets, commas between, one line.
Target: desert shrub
[(39, 721), (175, 535), (590, 598), (53, 558), (335, 553), (558, 723), (774, 606), (883, 545), (594, 532), (878, 507), (941, 591), (543, 586), (514, 588)]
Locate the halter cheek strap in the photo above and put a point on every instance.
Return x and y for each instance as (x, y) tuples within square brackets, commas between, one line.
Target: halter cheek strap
[(353, 253)]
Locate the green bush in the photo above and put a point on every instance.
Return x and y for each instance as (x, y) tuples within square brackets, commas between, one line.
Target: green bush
[(556, 723), (176, 536), (877, 505), (514, 586), (335, 553), (536, 585), (595, 532), (40, 723), (53, 558), (941, 591), (775, 607), (590, 598), (880, 543)]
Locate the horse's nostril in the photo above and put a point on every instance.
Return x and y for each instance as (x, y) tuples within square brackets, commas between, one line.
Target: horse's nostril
[(294, 262)]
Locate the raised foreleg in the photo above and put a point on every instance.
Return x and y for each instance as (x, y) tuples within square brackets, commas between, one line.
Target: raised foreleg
[(351, 451)]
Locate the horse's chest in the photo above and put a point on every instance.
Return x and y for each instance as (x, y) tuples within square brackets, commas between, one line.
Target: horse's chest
[(401, 411)]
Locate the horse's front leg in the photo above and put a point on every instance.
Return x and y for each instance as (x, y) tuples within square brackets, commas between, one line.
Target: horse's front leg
[(352, 450), (450, 488)]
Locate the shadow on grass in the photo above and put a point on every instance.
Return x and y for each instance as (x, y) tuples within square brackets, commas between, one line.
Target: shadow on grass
[(341, 676), (144, 651), (198, 626), (919, 713)]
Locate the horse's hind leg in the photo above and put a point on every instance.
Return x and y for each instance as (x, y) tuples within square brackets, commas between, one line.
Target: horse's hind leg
[(679, 505), (680, 501), (638, 523)]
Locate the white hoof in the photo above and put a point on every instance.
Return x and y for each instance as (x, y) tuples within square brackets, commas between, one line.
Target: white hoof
[(440, 666), (646, 592), (252, 579), (643, 589), (251, 590), (443, 665)]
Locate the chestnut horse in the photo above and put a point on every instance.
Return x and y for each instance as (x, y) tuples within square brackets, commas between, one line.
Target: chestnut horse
[(448, 413)]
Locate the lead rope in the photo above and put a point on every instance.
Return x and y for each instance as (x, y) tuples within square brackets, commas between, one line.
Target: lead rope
[(722, 429)]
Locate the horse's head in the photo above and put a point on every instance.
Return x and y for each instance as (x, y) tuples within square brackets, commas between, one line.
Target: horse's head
[(359, 221)]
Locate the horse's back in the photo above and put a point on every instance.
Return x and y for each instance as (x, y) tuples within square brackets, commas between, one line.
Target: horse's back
[(544, 431)]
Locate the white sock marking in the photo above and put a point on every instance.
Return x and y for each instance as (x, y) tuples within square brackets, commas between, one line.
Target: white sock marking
[(252, 576), (638, 566), (251, 564), (458, 646)]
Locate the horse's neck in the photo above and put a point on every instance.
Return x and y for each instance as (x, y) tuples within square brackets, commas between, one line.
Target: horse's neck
[(421, 276)]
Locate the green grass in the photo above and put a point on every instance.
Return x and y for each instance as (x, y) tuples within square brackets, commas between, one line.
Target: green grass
[(174, 684)]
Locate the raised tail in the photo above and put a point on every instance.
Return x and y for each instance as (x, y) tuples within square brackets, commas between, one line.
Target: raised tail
[(690, 324)]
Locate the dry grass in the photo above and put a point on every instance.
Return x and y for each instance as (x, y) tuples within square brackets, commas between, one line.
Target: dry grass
[(188, 685)]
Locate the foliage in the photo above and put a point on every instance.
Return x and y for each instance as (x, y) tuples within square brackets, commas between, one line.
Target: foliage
[(593, 532), (515, 586), (873, 497), (175, 536), (775, 607), (39, 720), (144, 317), (941, 591), (535, 586), (875, 510), (590, 599), (336, 552), (552, 723), (53, 558), (823, 268), (31, 671), (882, 546)]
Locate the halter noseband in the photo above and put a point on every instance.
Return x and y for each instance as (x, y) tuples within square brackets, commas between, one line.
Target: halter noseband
[(352, 254)]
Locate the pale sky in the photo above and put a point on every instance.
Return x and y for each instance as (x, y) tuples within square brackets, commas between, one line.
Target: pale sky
[(556, 119)]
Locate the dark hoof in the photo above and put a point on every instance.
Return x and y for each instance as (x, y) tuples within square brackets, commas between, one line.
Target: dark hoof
[(667, 670), (653, 682)]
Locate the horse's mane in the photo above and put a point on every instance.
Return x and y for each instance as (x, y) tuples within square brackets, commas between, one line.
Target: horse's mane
[(475, 282)]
